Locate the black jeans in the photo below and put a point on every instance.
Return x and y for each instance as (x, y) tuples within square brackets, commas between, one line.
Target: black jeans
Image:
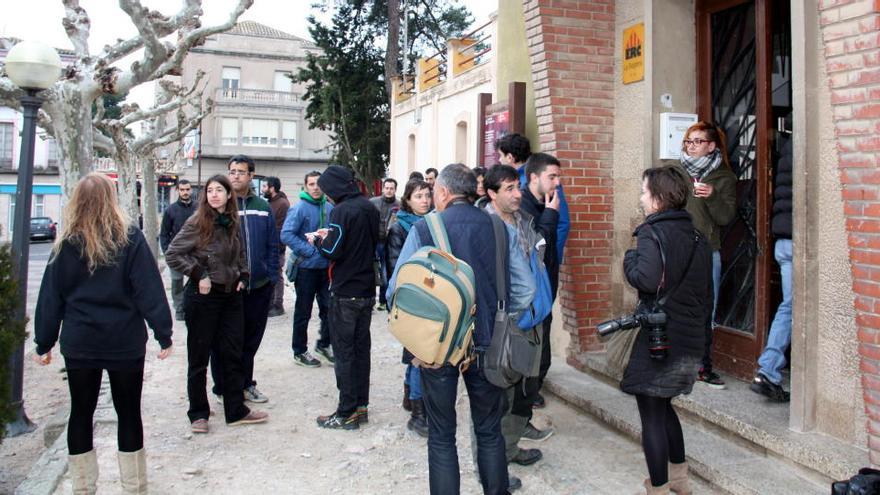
[(256, 313), (214, 326), (125, 386), (350, 333), (310, 284), (488, 403)]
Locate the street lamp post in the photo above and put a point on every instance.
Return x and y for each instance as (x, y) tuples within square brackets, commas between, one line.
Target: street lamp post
[(33, 67)]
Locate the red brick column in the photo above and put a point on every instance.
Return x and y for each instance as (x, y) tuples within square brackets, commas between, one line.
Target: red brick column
[(571, 45), (851, 33)]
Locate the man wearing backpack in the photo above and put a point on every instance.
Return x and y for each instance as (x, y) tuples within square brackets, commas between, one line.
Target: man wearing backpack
[(502, 186), (472, 241), (349, 243)]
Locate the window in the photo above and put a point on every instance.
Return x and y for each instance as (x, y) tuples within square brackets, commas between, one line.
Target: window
[(259, 132), (6, 144), (461, 142), (229, 131), (283, 82), (231, 77), (51, 154), (288, 134), (39, 204)]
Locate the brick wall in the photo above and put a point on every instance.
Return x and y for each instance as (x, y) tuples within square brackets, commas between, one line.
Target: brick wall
[(571, 45), (851, 36)]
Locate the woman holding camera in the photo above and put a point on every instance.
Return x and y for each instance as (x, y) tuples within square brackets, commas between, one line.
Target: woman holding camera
[(208, 251), (671, 269)]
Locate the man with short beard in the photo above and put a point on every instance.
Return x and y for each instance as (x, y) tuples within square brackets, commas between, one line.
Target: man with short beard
[(172, 220), (388, 205), (279, 204)]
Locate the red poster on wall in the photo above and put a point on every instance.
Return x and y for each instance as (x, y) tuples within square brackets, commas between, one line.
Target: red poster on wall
[(496, 125)]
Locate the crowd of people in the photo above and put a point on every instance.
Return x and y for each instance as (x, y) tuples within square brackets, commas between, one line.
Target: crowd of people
[(225, 252)]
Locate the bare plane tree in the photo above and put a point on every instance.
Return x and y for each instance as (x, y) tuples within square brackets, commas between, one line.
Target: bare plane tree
[(67, 112)]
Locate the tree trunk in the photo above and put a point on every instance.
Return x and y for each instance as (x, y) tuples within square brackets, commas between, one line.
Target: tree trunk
[(392, 50), (126, 170), (72, 122), (151, 204)]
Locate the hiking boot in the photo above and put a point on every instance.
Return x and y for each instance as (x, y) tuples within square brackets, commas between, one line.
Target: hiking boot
[(252, 417), (711, 379), (307, 360), (325, 352), (513, 483), (534, 434), (199, 426), (539, 402), (275, 311), (762, 385), (363, 414), (527, 457), (418, 423), (407, 403), (251, 394), (338, 422)]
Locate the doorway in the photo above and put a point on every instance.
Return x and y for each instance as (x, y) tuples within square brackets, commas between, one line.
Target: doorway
[(744, 86)]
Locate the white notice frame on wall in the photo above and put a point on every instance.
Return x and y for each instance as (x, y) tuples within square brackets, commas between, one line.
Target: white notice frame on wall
[(672, 129)]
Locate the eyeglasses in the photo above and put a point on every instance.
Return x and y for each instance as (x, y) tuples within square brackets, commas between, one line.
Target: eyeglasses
[(696, 142), (238, 173)]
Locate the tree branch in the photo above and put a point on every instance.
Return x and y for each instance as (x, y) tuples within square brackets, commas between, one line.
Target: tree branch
[(158, 62), (10, 94), (77, 24)]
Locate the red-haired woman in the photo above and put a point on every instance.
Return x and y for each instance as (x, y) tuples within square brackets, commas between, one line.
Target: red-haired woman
[(208, 251)]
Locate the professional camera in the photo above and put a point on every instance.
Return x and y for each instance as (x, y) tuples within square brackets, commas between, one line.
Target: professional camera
[(655, 324)]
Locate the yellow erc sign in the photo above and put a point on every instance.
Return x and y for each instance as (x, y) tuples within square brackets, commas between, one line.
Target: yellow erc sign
[(634, 53)]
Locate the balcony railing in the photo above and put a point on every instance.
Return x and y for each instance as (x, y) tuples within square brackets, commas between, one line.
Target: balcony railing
[(264, 97)]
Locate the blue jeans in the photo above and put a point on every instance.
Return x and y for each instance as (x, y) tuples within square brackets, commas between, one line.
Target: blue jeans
[(488, 403), (414, 380), (773, 358), (310, 284)]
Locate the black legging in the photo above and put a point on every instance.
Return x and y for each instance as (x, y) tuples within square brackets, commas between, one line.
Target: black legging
[(662, 439), (125, 386)]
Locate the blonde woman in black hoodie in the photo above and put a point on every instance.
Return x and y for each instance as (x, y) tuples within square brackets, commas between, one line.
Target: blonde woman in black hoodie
[(100, 285), (208, 251)]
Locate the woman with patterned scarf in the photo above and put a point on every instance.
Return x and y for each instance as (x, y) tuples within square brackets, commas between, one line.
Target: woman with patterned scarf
[(415, 203), (712, 207)]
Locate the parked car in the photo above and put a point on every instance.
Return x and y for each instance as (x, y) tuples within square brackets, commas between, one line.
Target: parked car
[(42, 228)]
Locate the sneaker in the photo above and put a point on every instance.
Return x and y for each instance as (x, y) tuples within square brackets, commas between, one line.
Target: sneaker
[(199, 426), (325, 352), (252, 417), (307, 360), (251, 394), (711, 379), (539, 402), (762, 385), (275, 311), (363, 415), (180, 317), (527, 457), (338, 422), (218, 398), (534, 434), (382, 307)]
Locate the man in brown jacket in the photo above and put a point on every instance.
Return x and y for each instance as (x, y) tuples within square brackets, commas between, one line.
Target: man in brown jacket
[(279, 204)]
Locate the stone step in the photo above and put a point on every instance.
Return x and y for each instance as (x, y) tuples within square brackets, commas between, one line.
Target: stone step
[(759, 424), (725, 463)]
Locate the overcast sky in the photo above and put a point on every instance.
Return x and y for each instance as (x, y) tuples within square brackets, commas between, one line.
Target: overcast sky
[(41, 20)]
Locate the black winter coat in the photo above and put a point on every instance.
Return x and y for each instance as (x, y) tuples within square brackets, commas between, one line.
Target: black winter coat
[(393, 244), (547, 223), (354, 232), (101, 315), (688, 309), (173, 219), (781, 222)]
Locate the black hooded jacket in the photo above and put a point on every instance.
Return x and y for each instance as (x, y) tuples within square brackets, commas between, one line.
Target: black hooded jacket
[(354, 232)]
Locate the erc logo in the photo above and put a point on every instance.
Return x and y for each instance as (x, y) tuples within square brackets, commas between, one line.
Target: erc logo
[(633, 48)]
